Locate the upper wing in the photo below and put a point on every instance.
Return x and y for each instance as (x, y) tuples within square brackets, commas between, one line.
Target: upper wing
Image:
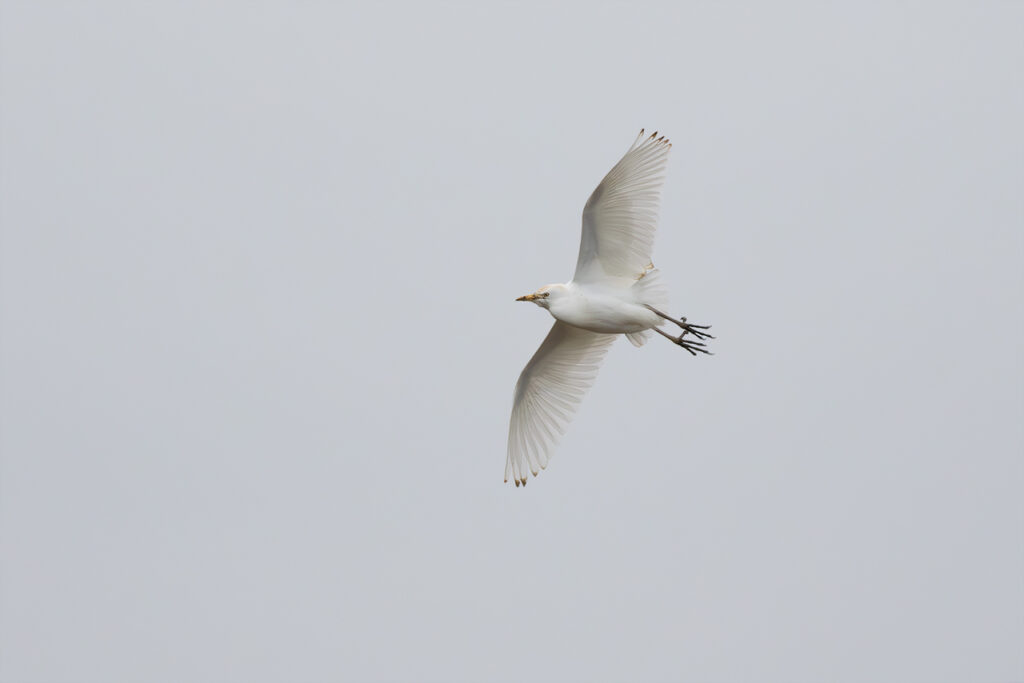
[(547, 394), (621, 215)]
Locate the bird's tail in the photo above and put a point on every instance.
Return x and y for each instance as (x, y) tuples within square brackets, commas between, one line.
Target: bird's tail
[(651, 290)]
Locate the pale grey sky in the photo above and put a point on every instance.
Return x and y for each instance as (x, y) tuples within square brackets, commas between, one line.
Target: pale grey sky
[(258, 343)]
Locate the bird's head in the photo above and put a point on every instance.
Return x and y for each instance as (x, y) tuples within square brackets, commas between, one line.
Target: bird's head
[(545, 295)]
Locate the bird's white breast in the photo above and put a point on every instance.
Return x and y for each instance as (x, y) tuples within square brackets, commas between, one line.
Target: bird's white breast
[(607, 311)]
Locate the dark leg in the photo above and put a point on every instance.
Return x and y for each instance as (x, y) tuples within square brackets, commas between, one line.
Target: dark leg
[(695, 330), (691, 345)]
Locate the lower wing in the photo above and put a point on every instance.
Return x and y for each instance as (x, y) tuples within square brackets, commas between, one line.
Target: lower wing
[(548, 393)]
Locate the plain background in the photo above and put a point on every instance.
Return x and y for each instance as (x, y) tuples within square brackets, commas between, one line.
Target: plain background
[(259, 341)]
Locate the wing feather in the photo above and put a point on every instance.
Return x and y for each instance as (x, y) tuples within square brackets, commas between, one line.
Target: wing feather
[(621, 216), (548, 392)]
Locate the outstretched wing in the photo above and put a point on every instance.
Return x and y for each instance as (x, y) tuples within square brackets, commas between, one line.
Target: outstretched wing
[(621, 215), (548, 393)]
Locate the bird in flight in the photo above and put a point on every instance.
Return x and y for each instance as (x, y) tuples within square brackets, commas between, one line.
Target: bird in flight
[(615, 290)]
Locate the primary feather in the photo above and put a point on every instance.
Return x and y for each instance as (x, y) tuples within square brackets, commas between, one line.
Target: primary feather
[(621, 216), (548, 393)]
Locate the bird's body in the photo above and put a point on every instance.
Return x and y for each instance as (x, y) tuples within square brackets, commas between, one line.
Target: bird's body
[(615, 290), (613, 309)]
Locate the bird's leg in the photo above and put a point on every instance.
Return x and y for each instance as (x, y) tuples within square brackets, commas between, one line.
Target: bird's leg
[(691, 345), (695, 330)]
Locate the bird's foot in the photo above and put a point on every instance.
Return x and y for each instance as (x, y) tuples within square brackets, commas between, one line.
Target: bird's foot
[(696, 330), (691, 345)]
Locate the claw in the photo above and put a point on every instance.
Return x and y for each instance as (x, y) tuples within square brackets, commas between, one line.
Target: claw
[(695, 330), (691, 345)]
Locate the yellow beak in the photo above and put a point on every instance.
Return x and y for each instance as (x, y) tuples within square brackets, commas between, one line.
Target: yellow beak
[(528, 297)]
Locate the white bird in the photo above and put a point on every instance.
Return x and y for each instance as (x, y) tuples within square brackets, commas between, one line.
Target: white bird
[(615, 290)]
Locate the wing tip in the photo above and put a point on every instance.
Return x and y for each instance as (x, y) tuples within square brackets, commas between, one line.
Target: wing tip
[(651, 139), (521, 481), (649, 144)]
